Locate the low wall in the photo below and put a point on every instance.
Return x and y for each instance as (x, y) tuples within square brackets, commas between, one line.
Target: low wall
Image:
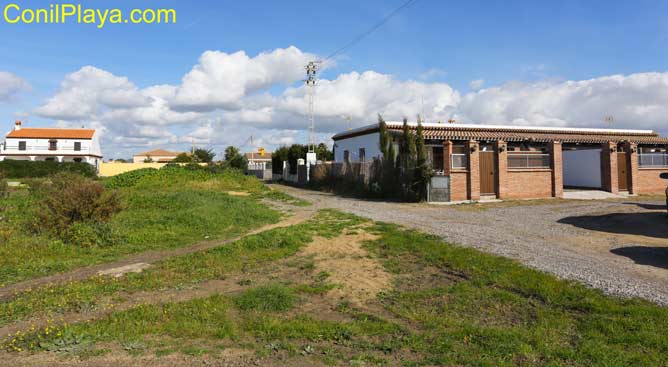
[(116, 168), (458, 185), (528, 184), (649, 181)]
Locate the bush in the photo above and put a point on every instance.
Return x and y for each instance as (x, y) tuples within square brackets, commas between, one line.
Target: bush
[(129, 179), (28, 169), (91, 234), (70, 199)]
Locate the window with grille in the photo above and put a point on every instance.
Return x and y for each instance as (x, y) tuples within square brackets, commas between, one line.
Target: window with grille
[(519, 160)]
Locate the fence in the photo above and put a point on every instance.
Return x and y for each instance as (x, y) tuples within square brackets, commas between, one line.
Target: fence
[(528, 160), (439, 189), (653, 160)]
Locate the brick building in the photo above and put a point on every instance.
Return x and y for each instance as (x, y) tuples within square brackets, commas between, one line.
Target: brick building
[(510, 162)]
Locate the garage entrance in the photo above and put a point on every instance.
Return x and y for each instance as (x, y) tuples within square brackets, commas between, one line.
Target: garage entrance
[(582, 167)]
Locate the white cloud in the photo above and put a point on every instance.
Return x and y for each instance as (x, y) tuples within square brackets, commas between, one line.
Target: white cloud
[(476, 84), (363, 96), (11, 85), (636, 101), (88, 92), (228, 97), (220, 79)]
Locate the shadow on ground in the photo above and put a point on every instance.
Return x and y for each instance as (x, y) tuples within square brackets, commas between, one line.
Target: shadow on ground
[(653, 256), (649, 206), (650, 224)]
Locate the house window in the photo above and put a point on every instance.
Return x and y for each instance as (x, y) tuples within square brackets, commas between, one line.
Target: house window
[(77, 146), (526, 155), (53, 144), (460, 160), (22, 145), (362, 154), (519, 160), (346, 156)]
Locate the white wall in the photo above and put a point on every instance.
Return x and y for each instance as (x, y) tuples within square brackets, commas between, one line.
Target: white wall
[(582, 168), (370, 142)]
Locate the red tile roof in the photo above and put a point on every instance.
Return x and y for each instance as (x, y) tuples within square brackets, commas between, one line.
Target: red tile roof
[(158, 153), (515, 134), (51, 133)]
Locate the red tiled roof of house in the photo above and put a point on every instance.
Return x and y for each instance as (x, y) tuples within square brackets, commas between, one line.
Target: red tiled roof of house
[(257, 156), (518, 133), (51, 133), (158, 153)]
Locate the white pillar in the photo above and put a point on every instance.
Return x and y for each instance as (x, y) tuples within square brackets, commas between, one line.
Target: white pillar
[(32, 158), (60, 158)]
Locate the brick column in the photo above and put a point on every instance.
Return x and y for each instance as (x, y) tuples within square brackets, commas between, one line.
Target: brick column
[(632, 163), (501, 149), (447, 157), (472, 150), (556, 157), (609, 167)]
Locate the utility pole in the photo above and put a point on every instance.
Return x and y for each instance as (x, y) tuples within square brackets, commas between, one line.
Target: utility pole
[(311, 82)]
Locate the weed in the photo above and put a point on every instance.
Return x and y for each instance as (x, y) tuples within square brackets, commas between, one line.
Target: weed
[(272, 298)]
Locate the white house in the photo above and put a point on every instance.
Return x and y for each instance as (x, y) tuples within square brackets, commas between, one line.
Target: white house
[(51, 144), (258, 160)]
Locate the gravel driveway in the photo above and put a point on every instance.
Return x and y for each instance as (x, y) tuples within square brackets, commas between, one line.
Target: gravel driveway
[(620, 247)]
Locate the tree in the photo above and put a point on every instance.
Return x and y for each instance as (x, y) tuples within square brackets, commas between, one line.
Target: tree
[(407, 158), (323, 152), (183, 158), (148, 159), (423, 171), (234, 159), (388, 169), (277, 158), (203, 155)]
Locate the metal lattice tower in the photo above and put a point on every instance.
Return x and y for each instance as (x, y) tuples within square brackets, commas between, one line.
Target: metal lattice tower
[(311, 81)]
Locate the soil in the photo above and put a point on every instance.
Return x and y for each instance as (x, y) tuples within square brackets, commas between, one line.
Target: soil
[(359, 277)]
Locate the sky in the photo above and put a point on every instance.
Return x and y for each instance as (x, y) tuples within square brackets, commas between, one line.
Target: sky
[(229, 70)]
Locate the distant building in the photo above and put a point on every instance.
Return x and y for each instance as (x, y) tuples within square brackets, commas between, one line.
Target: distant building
[(156, 155), (258, 160), (51, 144)]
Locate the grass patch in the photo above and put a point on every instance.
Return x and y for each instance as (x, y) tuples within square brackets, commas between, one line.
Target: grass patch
[(453, 306), (174, 273), (167, 209), (272, 298)]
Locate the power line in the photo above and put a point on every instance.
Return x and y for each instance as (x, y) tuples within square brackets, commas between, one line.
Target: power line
[(371, 30)]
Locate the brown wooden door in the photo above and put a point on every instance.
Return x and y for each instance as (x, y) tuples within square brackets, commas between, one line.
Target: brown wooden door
[(622, 171), (487, 174)]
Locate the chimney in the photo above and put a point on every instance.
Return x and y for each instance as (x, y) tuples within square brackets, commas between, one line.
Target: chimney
[(17, 125)]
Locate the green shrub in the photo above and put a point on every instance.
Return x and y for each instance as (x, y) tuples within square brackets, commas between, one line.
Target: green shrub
[(129, 179), (71, 198), (27, 169), (83, 234), (273, 298)]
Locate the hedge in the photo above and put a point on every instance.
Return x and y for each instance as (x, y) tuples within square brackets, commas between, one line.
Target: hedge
[(29, 169)]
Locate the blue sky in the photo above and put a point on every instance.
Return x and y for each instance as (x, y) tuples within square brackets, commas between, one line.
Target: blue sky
[(517, 49)]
